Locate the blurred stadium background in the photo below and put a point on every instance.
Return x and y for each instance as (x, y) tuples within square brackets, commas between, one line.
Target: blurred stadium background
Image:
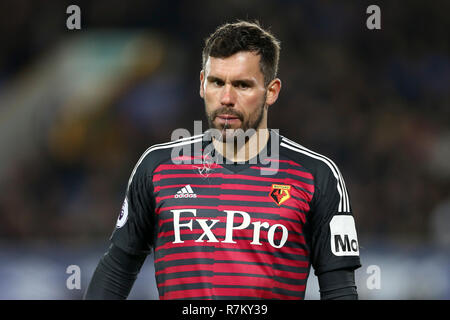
[(78, 108)]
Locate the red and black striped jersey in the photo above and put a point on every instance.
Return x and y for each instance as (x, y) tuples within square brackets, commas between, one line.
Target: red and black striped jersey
[(237, 231)]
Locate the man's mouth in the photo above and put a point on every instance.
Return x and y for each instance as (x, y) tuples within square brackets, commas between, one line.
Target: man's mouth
[(227, 120), (227, 117)]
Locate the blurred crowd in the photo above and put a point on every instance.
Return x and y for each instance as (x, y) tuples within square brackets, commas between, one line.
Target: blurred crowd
[(375, 101)]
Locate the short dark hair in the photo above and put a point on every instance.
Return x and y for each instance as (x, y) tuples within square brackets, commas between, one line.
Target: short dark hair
[(232, 38)]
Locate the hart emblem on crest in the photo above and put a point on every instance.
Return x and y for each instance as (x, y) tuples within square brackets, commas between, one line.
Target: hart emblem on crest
[(280, 193)]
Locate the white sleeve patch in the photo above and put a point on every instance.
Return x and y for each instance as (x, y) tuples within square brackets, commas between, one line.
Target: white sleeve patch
[(123, 216), (344, 241)]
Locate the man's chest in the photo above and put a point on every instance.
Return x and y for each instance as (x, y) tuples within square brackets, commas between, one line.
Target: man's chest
[(224, 207)]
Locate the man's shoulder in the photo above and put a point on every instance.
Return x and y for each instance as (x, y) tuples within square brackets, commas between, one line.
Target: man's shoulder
[(166, 151), (327, 176), (315, 162)]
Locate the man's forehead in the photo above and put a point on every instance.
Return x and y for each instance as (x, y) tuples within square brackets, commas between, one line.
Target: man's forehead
[(241, 64)]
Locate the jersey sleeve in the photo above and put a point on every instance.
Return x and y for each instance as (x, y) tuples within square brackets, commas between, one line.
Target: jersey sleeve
[(133, 232), (334, 242)]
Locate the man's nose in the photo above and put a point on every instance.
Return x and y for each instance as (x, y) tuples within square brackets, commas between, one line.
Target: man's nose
[(228, 96)]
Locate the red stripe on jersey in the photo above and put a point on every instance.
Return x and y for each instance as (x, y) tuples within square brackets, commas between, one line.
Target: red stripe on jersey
[(299, 193), (158, 177), (186, 255), (161, 209), (234, 186), (159, 199), (191, 293), (299, 184), (257, 282), (241, 244), (232, 267), (282, 211), (302, 174), (184, 280), (237, 197), (185, 268), (175, 186), (283, 161), (245, 245), (294, 191)]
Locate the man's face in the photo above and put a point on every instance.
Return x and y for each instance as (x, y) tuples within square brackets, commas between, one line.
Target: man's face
[(234, 93)]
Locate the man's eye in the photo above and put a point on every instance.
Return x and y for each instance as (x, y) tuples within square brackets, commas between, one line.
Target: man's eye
[(218, 83), (243, 85)]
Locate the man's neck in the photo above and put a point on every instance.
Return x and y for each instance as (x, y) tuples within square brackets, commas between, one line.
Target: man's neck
[(242, 152)]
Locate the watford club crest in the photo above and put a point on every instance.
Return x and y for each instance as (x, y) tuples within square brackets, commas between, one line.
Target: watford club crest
[(280, 193)]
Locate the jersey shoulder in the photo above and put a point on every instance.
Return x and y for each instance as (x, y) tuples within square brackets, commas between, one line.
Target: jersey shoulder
[(162, 152), (317, 164), (326, 173)]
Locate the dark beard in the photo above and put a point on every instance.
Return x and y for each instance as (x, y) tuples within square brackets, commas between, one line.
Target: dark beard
[(249, 124)]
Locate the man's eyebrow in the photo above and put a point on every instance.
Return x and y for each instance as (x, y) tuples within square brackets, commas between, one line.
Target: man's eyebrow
[(237, 81), (244, 81), (213, 78)]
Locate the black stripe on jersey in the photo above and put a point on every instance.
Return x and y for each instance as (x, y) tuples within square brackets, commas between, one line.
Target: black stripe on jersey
[(160, 278), (161, 265), (186, 249), (211, 249)]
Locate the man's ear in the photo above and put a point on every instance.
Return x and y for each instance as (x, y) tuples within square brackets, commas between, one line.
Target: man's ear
[(202, 82), (273, 90)]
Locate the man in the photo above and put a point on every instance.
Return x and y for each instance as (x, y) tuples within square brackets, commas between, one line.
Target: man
[(237, 228)]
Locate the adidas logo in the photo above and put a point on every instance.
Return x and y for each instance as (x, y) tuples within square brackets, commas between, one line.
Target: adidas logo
[(186, 192)]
